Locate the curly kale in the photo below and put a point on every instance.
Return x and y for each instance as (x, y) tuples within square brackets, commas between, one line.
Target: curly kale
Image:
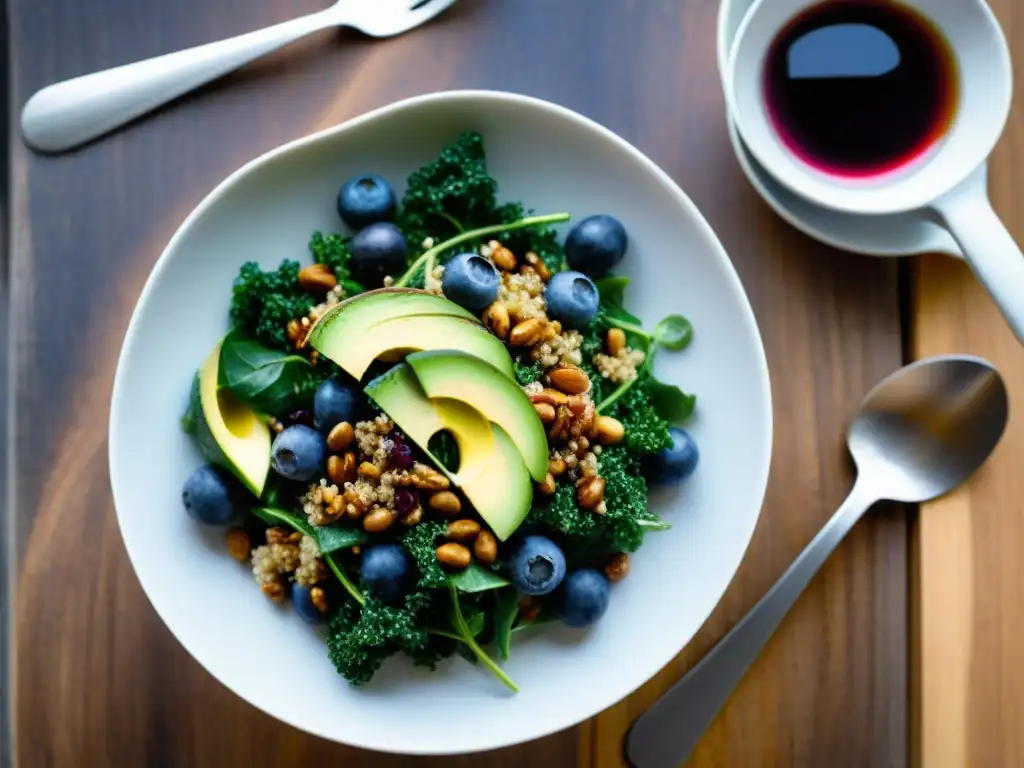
[(421, 542), (331, 250), (527, 372), (646, 431), (262, 303)]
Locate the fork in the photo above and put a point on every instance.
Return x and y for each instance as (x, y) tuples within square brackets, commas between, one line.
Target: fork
[(73, 112)]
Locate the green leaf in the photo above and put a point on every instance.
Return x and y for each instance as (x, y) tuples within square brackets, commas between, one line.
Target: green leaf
[(264, 379), (620, 318), (654, 524), (274, 516), (330, 538), (670, 402), (442, 446), (460, 626), (194, 424), (612, 290), (505, 612), (674, 332), (194, 412), (475, 623), (476, 578)]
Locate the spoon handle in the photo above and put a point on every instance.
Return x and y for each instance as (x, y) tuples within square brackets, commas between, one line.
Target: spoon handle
[(70, 113), (665, 734)]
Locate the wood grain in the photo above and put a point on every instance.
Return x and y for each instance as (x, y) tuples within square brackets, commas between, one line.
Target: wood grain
[(968, 584), (100, 681)]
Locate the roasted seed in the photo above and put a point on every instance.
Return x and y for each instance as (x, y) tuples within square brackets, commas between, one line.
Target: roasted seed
[(615, 341), (462, 530), (274, 590), (556, 467), (503, 258), (369, 471), (378, 521), (329, 494), (319, 599), (486, 548), (526, 333), (238, 544), (336, 470), (610, 430), (570, 379), (317, 278), (453, 555), (348, 467), (617, 567), (446, 503), (560, 428), (340, 437), (590, 491), (497, 320), (278, 535), (547, 487), (550, 396), (412, 517), (542, 269), (545, 411), (295, 332)]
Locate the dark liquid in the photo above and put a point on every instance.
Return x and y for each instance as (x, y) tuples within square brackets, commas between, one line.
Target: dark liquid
[(860, 87)]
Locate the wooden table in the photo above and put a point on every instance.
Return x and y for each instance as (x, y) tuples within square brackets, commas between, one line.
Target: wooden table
[(903, 648)]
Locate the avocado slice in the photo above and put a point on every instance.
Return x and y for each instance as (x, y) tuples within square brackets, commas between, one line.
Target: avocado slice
[(491, 471), (458, 376), (230, 429), (389, 324)]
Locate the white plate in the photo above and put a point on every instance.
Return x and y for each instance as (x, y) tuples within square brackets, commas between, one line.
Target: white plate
[(894, 235), (554, 160)]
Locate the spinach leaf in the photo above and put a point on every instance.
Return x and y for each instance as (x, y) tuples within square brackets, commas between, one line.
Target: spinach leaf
[(475, 623), (505, 612), (674, 332), (330, 538), (620, 318), (264, 379), (476, 578), (466, 635), (612, 290), (274, 516), (670, 402)]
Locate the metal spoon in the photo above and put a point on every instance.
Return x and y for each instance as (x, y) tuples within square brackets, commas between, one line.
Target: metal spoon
[(919, 433), (70, 113)]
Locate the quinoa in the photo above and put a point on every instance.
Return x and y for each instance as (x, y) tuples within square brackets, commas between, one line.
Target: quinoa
[(372, 439), (432, 283), (334, 297), (311, 568), (322, 503), (523, 296), (563, 348), (621, 367)]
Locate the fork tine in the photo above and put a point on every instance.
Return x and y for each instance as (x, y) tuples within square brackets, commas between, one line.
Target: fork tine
[(425, 12)]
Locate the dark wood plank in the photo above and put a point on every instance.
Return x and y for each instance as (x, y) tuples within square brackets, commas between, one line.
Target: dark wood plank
[(102, 682)]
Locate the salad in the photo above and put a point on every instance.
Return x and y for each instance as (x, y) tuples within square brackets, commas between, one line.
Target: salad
[(442, 431)]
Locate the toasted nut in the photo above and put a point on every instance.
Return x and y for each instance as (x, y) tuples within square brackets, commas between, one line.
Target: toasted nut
[(545, 411), (349, 467), (317, 278), (577, 404), (590, 491), (238, 544), (453, 555), (560, 428), (278, 535), (412, 517), (274, 590), (548, 486), (503, 258), (526, 333), (340, 437), (587, 420), (497, 320), (378, 521), (550, 396), (486, 548), (615, 341), (556, 467), (428, 479), (295, 332), (542, 269), (570, 379), (319, 599), (462, 530), (610, 430), (446, 503), (369, 471), (617, 567), (336, 470)]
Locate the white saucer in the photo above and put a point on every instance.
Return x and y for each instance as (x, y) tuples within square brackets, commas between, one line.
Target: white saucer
[(894, 235)]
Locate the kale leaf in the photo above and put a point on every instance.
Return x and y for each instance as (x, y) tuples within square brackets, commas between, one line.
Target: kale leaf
[(262, 303), (332, 250), (421, 542)]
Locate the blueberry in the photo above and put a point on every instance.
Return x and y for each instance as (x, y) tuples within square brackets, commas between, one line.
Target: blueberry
[(334, 402), (298, 453), (538, 566), (385, 571), (675, 463), (583, 598), (209, 496), (596, 245), (365, 200), (572, 299), (471, 281), (377, 251), (302, 602)]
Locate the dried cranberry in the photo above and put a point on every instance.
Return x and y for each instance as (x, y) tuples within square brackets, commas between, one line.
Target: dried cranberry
[(303, 417), (405, 501), (401, 456)]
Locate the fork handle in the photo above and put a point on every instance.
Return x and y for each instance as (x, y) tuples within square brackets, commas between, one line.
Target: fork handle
[(72, 112)]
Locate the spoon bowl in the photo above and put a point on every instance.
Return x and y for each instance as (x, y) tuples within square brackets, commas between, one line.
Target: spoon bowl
[(918, 434)]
